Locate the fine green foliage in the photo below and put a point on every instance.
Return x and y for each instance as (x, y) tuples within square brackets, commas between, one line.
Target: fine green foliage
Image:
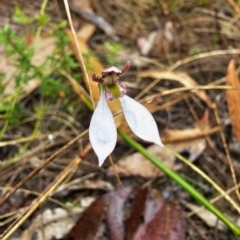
[(113, 49), (195, 49), (53, 84), (20, 17)]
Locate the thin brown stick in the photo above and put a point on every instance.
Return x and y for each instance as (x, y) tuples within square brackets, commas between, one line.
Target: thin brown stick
[(204, 176), (78, 49), (85, 150), (227, 151), (26, 191), (40, 167), (41, 199), (192, 89), (208, 140), (187, 89), (115, 171), (197, 134), (234, 5), (203, 55)]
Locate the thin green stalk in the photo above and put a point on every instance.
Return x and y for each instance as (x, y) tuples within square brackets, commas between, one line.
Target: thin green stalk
[(181, 182), (26, 145), (4, 129), (42, 11)]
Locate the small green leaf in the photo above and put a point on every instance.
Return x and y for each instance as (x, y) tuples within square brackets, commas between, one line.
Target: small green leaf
[(20, 17), (43, 20)]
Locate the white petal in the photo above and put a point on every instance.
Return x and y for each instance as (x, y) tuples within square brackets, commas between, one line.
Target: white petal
[(140, 120), (102, 130)]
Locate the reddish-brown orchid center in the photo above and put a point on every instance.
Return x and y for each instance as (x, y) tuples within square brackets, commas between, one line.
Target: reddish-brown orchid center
[(113, 89)]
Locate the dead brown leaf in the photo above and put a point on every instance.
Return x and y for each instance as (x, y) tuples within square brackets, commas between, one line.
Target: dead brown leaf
[(163, 221), (233, 98), (86, 31), (109, 207), (209, 218), (146, 218), (135, 218), (193, 147), (115, 212), (88, 226), (170, 136), (137, 164)]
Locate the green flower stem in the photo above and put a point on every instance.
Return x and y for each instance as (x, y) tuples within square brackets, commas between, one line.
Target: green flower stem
[(181, 182)]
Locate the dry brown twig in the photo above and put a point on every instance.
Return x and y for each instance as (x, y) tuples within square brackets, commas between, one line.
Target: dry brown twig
[(227, 151), (40, 167), (78, 49), (41, 199), (203, 55), (234, 5)]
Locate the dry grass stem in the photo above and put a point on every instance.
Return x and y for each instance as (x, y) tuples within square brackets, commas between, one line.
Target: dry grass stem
[(207, 178), (40, 167), (41, 199), (78, 49), (214, 53), (227, 151), (214, 200)]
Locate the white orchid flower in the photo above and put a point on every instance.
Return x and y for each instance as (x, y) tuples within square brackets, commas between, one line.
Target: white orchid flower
[(102, 130)]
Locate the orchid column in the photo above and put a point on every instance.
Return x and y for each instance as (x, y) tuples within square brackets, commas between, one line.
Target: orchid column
[(102, 130)]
